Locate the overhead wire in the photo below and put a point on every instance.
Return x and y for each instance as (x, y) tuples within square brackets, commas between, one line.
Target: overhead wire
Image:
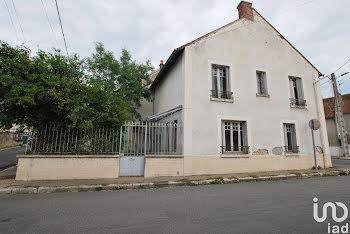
[(59, 17), (342, 66), (19, 22), (48, 20), (13, 25)]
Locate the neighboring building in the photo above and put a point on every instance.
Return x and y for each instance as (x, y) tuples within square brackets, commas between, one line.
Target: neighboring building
[(146, 108), (333, 133), (243, 96)]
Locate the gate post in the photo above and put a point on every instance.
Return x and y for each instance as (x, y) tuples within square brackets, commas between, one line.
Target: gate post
[(120, 139), (145, 140)]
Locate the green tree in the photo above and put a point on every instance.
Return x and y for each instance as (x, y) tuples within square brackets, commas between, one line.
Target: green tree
[(50, 87), (124, 77), (32, 90)]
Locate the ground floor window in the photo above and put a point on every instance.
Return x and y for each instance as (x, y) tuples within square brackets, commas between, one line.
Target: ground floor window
[(234, 137), (290, 138)]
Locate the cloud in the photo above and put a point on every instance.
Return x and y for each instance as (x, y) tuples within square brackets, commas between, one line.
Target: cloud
[(152, 29)]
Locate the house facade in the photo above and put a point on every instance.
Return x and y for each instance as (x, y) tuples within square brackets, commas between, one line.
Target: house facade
[(236, 100), (333, 133), (243, 96)]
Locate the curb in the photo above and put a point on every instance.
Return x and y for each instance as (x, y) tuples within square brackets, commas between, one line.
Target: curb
[(182, 182)]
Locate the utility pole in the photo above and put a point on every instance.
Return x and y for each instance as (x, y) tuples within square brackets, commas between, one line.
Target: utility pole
[(339, 117)]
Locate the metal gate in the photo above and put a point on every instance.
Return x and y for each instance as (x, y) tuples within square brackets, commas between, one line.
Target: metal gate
[(140, 139), (132, 149)]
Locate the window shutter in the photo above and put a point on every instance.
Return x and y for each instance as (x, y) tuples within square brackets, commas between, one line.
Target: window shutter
[(245, 135), (291, 89), (300, 89), (214, 79), (228, 89), (294, 136)]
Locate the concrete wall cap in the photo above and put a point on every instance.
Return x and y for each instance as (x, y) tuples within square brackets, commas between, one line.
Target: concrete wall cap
[(67, 156)]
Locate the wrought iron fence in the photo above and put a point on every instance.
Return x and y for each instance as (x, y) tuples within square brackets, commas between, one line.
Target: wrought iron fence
[(235, 149), (154, 138), (297, 102), (291, 149), (56, 139), (133, 138), (221, 94)]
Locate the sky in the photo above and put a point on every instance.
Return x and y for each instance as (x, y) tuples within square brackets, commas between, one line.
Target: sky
[(151, 29)]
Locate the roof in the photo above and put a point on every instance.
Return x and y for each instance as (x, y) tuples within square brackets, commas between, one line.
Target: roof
[(164, 114), (328, 105), (153, 75), (178, 51)]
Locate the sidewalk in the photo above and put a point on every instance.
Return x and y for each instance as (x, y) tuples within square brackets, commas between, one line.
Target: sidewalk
[(9, 185), (337, 157)]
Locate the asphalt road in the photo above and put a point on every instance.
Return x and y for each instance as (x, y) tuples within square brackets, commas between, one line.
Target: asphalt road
[(256, 207), (8, 156), (341, 163)]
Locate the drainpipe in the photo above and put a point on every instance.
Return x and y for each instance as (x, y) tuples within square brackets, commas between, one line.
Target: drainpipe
[(321, 118)]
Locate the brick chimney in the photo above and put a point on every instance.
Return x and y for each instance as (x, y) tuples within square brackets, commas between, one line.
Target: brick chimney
[(245, 10), (161, 64)]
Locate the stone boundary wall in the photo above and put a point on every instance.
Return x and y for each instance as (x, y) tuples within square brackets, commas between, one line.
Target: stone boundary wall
[(64, 167), (60, 167), (8, 139)]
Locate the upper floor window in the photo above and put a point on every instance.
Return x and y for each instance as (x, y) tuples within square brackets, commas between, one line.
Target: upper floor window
[(220, 82), (296, 92), (290, 138), (261, 83)]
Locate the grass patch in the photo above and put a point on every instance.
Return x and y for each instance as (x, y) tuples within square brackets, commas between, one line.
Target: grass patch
[(330, 174), (254, 176), (186, 182), (158, 186), (333, 167), (83, 190), (117, 188), (233, 177), (32, 186), (22, 192), (98, 188), (104, 184), (217, 182), (298, 174), (59, 190), (141, 187)]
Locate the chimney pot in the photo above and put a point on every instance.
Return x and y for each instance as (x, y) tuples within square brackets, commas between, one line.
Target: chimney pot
[(245, 10), (161, 64)]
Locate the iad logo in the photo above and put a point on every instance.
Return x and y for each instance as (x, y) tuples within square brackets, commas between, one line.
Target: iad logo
[(333, 208)]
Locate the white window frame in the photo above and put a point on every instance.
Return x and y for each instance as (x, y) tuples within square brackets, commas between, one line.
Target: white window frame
[(263, 77), (242, 131), (300, 90), (219, 80), (297, 135)]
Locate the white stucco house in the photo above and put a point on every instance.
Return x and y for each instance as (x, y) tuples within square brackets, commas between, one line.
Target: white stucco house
[(243, 96)]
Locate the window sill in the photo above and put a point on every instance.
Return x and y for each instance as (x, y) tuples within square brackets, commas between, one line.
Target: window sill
[(235, 155), (221, 100), (297, 107), (291, 154), (263, 95)]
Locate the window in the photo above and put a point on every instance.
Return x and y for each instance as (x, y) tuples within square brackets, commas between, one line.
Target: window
[(234, 137), (261, 83), (220, 82), (175, 134), (290, 138), (296, 92)]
